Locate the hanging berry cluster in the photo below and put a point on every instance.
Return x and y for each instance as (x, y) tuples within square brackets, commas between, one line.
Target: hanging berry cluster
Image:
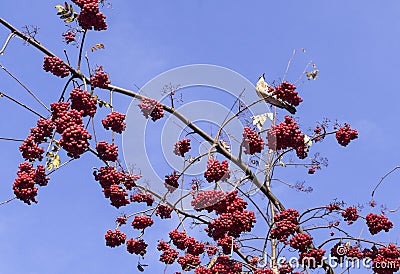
[(350, 215), (114, 121), (345, 134), (90, 16), (377, 223), (83, 101), (56, 66), (137, 247), (114, 238), (169, 254), (171, 182), (69, 37), (217, 171), (151, 108), (164, 211), (107, 152), (286, 224), (181, 147), (287, 93), (99, 79), (287, 135), (252, 143), (142, 198)]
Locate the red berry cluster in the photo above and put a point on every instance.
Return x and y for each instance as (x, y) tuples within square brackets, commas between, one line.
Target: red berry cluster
[(69, 37), (285, 268), (114, 121), (387, 261), (313, 169), (194, 247), (90, 15), (354, 253), (377, 223), (67, 119), (252, 142), (83, 101), (202, 270), (169, 254), (318, 131), (287, 92), (137, 247), (74, 140), (225, 265), (142, 198), (43, 130), (189, 261), (117, 195), (350, 215), (212, 250), (30, 150), (286, 224), (301, 241), (56, 66), (59, 114), (183, 242), (226, 243), (287, 135), (107, 152), (345, 134), (121, 220), (164, 211), (151, 108), (217, 171), (100, 78), (108, 176), (207, 200), (24, 185), (142, 222), (114, 238), (181, 147), (171, 182), (178, 239), (332, 206), (312, 259)]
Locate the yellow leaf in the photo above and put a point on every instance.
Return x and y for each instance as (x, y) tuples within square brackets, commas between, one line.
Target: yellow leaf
[(56, 162), (59, 8), (100, 46), (49, 167), (69, 20)]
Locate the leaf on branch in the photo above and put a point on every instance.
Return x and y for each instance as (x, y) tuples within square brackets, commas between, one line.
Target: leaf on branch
[(96, 47), (307, 140), (104, 103), (66, 12), (259, 120), (312, 75)]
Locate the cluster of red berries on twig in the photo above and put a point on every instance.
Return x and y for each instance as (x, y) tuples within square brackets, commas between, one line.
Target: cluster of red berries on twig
[(74, 140), (224, 264), (141, 197), (114, 121), (83, 101), (217, 171), (114, 238), (90, 16), (100, 78), (169, 254), (69, 37), (287, 135), (389, 257), (345, 134), (350, 215), (181, 147), (164, 211), (252, 142), (151, 108), (189, 261), (286, 224), (171, 182), (376, 223), (312, 258), (107, 152), (137, 247), (301, 241), (333, 206), (117, 195), (228, 244), (183, 242), (319, 133), (287, 93), (207, 199), (56, 66), (30, 150), (142, 222), (43, 130), (27, 177)]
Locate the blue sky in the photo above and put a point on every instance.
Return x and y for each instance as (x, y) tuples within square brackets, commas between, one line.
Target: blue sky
[(354, 44)]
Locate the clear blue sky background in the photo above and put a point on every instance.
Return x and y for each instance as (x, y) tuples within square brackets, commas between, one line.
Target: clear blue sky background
[(355, 45)]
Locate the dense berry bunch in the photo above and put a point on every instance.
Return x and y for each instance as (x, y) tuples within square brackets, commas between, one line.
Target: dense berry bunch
[(301, 241), (141, 222), (69, 37), (43, 130), (83, 101), (137, 247), (169, 254), (338, 252), (30, 150), (287, 93), (171, 182), (387, 261), (142, 198), (285, 268), (114, 238), (151, 108), (56, 66), (67, 119), (117, 195), (121, 220), (74, 140), (203, 270), (182, 146), (189, 261), (345, 134), (40, 176), (207, 200), (228, 244), (164, 211), (114, 121), (286, 224), (217, 171), (312, 259), (107, 152), (90, 15), (100, 78), (230, 203), (225, 265), (350, 215), (194, 247), (377, 223), (108, 176), (178, 239), (252, 142), (58, 109), (24, 185), (287, 135), (212, 250), (332, 206), (354, 253)]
